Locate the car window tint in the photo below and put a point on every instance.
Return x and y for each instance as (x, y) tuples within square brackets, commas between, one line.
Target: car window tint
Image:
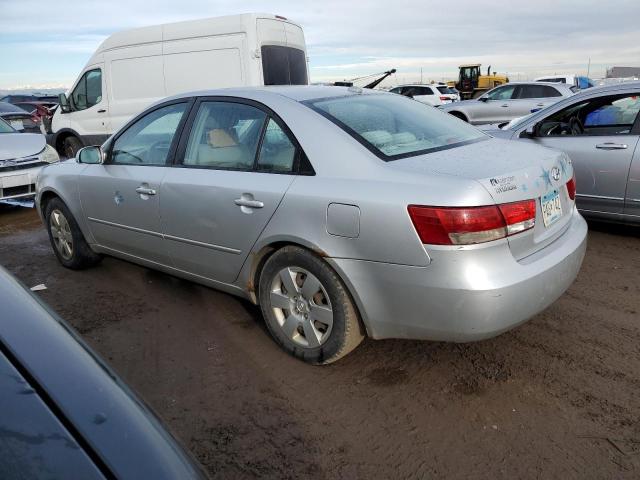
[(538, 91), (277, 153), (393, 127), (88, 91), (283, 65), (147, 141), (424, 91), (501, 93), (225, 135), (606, 115)]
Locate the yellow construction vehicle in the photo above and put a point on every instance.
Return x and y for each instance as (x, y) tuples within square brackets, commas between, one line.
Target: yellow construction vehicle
[(471, 83)]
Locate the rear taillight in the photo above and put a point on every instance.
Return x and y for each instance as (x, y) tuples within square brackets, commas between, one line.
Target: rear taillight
[(444, 98), (469, 225), (571, 187)]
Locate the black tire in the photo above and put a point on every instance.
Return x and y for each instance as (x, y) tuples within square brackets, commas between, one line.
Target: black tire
[(346, 331), (459, 115), (80, 254), (70, 146)]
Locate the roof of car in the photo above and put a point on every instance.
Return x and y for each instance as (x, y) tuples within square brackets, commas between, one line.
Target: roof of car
[(299, 93)]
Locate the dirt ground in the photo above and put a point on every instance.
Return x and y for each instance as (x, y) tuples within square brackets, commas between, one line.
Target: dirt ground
[(558, 397)]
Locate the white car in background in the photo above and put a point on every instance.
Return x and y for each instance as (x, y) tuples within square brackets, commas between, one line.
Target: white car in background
[(429, 94), (22, 155)]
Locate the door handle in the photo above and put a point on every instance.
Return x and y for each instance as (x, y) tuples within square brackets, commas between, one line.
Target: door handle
[(540, 105), (145, 190), (505, 105), (247, 202), (102, 110), (611, 146)]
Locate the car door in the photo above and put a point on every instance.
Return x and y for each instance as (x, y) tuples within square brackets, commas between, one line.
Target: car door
[(632, 200), (234, 165), (600, 134), (89, 105), (495, 106), (121, 197)]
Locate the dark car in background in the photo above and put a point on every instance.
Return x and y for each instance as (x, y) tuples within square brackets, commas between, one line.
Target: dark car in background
[(19, 118), (64, 413), (29, 98)]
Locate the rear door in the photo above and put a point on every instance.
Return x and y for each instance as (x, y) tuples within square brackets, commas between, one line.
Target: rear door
[(632, 200), (121, 197), (531, 98), (600, 135), (234, 164)]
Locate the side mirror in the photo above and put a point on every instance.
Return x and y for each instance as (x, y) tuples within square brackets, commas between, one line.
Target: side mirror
[(65, 107), (529, 132), (483, 99), (90, 155)]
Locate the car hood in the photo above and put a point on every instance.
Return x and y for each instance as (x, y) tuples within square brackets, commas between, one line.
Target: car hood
[(18, 145)]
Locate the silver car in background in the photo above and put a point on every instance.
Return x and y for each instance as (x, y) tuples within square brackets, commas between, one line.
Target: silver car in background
[(509, 101), (599, 129), (341, 212)]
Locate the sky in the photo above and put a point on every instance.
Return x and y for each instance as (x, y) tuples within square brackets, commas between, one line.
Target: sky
[(45, 43)]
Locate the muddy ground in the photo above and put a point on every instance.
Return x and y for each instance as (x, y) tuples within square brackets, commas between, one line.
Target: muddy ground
[(558, 397)]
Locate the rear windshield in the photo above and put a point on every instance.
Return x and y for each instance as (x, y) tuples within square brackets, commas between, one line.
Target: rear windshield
[(393, 127), (444, 89), (284, 65)]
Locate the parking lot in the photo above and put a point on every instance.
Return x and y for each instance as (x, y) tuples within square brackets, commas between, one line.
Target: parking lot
[(555, 398)]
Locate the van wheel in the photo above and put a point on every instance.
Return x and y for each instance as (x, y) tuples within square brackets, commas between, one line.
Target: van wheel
[(70, 146), (67, 239), (307, 308)]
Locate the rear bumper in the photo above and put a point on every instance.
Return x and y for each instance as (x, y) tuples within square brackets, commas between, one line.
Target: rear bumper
[(467, 294)]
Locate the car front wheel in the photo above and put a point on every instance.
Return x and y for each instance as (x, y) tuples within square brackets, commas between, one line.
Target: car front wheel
[(66, 238), (307, 308)]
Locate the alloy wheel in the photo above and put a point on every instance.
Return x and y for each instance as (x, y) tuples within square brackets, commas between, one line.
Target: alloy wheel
[(61, 233)]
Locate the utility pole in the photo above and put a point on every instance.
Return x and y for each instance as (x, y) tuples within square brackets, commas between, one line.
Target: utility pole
[(589, 66), (420, 74)]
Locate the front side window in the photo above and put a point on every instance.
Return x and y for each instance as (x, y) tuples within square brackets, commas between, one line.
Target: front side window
[(284, 65), (501, 93), (88, 91), (147, 141), (277, 153), (225, 135), (606, 115), (392, 127)]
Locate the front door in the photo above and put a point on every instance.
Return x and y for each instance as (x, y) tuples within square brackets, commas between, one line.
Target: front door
[(600, 136), (90, 106), (498, 106), (235, 165), (121, 198)]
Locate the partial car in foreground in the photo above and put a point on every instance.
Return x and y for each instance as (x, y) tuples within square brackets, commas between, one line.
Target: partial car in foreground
[(22, 155), (434, 95), (340, 211), (64, 413), (599, 128), (506, 102)]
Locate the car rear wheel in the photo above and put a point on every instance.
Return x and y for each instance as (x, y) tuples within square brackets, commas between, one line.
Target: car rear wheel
[(307, 308), (66, 238)]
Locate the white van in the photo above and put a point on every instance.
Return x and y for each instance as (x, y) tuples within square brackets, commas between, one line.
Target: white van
[(134, 68)]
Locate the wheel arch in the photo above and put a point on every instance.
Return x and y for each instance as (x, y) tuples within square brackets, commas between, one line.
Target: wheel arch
[(62, 135), (460, 115)]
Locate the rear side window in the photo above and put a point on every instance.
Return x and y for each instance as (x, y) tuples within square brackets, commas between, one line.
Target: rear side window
[(88, 91), (537, 91), (393, 127), (225, 135), (277, 153), (284, 65)]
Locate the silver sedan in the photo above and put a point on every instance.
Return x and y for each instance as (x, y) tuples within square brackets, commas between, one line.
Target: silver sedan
[(600, 129), (506, 102), (341, 212)]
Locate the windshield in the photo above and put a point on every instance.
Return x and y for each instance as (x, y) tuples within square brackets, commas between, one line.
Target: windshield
[(284, 65), (393, 127), (5, 127)]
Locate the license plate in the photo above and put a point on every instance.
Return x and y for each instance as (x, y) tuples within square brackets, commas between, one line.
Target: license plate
[(17, 124), (551, 208)]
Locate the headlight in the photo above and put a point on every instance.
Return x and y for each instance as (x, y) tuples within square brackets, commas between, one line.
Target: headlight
[(49, 155)]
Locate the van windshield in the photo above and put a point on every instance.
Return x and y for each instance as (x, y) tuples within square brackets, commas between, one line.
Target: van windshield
[(284, 65), (393, 126)]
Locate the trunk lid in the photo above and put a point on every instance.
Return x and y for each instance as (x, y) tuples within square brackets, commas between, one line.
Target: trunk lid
[(510, 172)]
